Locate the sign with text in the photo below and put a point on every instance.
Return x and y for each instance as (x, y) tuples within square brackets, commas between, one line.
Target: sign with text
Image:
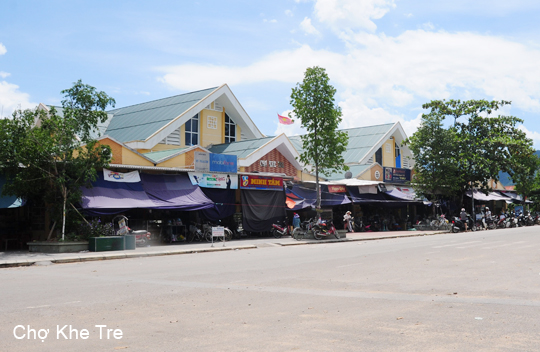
[(392, 174), (202, 161), (261, 182), (223, 163), (337, 189), (213, 180)]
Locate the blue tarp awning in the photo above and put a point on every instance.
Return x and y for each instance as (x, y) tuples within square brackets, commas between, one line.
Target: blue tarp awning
[(8, 201)]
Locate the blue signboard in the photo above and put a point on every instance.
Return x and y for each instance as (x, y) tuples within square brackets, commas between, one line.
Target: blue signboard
[(223, 163)]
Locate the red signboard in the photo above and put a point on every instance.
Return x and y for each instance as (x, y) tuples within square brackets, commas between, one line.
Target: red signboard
[(337, 189), (261, 182)]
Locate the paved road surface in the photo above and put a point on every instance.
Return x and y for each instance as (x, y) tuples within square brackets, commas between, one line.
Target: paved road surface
[(450, 292)]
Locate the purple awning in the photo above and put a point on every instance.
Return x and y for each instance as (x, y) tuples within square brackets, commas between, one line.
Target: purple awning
[(153, 192)]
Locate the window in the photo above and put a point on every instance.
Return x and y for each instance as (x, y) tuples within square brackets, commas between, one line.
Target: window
[(230, 130), (378, 156), (211, 122), (398, 156), (192, 131)]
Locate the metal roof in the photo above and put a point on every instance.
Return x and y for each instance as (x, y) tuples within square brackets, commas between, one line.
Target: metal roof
[(164, 154), (140, 121), (241, 148), (354, 169), (361, 140)]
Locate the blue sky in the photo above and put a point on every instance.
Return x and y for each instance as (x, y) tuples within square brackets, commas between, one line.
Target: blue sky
[(385, 57)]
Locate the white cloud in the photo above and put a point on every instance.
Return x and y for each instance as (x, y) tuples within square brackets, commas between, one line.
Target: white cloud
[(11, 98), (289, 13), (308, 28), (4, 74), (2, 49), (270, 21), (351, 14), (285, 66), (535, 136)]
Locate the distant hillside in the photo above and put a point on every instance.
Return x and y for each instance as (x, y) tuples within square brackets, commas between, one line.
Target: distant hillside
[(505, 178)]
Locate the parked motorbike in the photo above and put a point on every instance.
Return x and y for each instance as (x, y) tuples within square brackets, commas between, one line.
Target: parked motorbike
[(324, 229), (279, 231), (459, 225)]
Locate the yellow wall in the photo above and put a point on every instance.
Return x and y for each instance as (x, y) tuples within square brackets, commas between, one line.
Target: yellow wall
[(131, 158), (207, 135), (177, 161), (238, 133), (388, 151)]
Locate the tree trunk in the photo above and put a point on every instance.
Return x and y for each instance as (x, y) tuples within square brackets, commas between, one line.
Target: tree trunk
[(64, 213)]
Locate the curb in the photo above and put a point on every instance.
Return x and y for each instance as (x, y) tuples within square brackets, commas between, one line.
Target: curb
[(112, 256)]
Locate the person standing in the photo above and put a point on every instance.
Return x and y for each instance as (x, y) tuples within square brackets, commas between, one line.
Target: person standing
[(347, 221), (463, 217)]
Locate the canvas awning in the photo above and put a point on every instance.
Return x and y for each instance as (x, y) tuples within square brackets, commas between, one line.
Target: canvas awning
[(491, 196), (152, 192), (327, 199)]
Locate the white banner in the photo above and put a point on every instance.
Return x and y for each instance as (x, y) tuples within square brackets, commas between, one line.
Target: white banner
[(129, 177), (210, 180)]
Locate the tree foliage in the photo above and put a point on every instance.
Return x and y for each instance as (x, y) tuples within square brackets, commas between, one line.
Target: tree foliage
[(50, 155), (313, 103), (472, 150)]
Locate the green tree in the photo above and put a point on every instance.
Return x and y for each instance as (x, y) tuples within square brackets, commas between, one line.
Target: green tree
[(313, 103), (49, 156), (470, 152)]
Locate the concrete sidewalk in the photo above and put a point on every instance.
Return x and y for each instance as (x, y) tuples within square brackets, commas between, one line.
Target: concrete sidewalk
[(25, 258)]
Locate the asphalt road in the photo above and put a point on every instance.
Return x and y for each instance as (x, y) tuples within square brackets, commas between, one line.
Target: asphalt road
[(451, 292)]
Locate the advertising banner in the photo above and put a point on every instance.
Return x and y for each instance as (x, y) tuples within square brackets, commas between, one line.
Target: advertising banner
[(202, 161), (392, 174), (261, 182), (223, 163), (337, 189), (129, 177), (212, 180)]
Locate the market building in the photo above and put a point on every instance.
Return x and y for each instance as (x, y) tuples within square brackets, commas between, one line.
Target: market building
[(199, 157)]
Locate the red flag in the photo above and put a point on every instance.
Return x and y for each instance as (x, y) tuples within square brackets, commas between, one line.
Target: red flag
[(284, 120)]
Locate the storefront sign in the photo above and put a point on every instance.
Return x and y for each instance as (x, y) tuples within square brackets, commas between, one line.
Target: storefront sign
[(129, 177), (202, 161), (223, 163), (337, 189), (261, 182), (212, 180), (392, 174), (271, 163)]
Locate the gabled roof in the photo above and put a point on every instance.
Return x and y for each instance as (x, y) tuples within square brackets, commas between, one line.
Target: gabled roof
[(163, 155), (241, 148), (158, 156), (142, 126), (249, 151), (363, 141), (138, 122)]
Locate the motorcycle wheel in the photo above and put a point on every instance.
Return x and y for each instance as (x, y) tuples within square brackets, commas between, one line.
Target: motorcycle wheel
[(317, 234), (455, 229), (336, 234), (208, 235), (276, 233), (298, 234)]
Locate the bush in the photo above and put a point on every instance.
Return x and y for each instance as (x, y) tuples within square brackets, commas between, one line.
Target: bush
[(95, 228)]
